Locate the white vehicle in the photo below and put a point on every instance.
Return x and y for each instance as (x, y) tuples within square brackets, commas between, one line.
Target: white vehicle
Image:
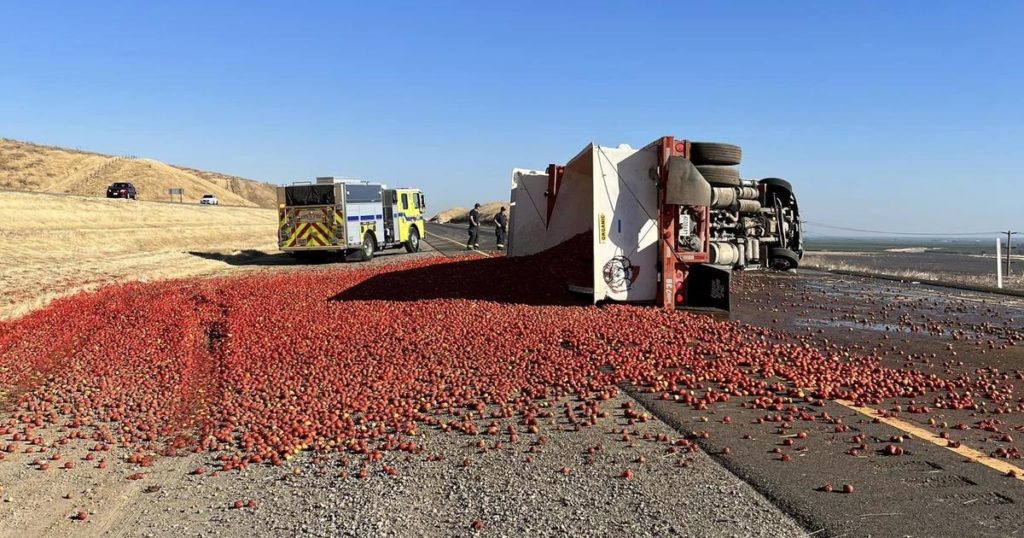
[(208, 199)]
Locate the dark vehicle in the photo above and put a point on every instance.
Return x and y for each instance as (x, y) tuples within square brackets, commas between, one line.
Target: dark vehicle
[(121, 190)]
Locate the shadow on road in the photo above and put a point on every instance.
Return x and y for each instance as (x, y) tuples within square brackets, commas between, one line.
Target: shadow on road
[(541, 279), (258, 257)]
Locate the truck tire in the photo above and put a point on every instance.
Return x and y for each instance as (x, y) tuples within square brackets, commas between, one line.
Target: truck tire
[(368, 247), (720, 176), (715, 153), (776, 182), (782, 259), (413, 244)]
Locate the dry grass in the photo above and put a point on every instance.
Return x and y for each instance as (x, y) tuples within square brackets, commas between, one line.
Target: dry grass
[(448, 214), (32, 167), (817, 261), (52, 246), (461, 214)]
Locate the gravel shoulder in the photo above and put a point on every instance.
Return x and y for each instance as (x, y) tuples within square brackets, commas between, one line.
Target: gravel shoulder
[(441, 491)]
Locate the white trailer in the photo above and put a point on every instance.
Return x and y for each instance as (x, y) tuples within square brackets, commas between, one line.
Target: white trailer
[(667, 222)]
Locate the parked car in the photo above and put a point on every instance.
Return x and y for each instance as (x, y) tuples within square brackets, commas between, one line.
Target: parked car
[(121, 190), (208, 199)]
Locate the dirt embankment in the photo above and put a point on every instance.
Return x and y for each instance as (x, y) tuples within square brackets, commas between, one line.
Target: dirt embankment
[(52, 246), (36, 168), (461, 214)]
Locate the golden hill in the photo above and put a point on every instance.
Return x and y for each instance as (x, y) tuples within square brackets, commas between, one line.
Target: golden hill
[(461, 214), (54, 245), (32, 167)]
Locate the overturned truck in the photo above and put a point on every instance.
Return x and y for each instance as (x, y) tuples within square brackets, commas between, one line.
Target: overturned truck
[(668, 223)]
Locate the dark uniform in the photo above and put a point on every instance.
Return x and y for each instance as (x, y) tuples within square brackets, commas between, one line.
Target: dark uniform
[(501, 227), (474, 230)]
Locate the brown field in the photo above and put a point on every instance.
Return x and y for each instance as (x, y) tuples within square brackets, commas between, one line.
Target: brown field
[(461, 214), (36, 168), (954, 269), (52, 246)]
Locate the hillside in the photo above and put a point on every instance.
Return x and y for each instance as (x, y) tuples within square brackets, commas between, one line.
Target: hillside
[(32, 167), (52, 246), (460, 214)]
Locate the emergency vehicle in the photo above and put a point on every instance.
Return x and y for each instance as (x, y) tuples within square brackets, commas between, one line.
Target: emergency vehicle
[(349, 216)]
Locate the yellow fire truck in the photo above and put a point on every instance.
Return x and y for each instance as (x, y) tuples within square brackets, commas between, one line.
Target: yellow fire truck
[(350, 216)]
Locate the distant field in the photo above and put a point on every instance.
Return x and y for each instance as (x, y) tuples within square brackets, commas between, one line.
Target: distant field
[(970, 269), (460, 214), (36, 168), (52, 246), (955, 246), (968, 261)]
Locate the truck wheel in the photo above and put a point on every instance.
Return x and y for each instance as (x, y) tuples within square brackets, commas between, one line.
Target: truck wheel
[(776, 182), (715, 153), (368, 248), (720, 176), (782, 259), (413, 244)]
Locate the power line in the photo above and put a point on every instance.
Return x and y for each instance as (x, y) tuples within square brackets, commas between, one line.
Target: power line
[(860, 230)]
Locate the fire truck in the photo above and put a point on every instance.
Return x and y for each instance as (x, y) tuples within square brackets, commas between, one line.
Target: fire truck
[(348, 216), (668, 222)]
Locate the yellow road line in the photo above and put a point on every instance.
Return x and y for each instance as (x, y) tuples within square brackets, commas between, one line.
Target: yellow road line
[(484, 254), (1000, 465)]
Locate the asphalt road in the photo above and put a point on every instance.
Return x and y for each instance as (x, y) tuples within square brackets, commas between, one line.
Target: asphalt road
[(451, 238), (931, 489)]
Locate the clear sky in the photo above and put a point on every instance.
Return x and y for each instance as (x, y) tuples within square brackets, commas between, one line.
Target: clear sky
[(884, 115)]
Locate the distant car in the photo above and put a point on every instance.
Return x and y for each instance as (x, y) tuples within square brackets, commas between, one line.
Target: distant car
[(121, 190), (208, 199)]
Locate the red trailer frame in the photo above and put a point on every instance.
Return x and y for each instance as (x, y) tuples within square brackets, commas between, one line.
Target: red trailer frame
[(675, 263)]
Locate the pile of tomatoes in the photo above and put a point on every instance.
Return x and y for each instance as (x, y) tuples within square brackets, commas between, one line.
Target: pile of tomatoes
[(258, 367)]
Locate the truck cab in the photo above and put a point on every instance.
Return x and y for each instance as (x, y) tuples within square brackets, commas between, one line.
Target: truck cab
[(409, 205)]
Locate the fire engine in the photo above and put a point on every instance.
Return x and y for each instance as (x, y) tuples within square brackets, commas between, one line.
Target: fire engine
[(669, 222), (348, 216)]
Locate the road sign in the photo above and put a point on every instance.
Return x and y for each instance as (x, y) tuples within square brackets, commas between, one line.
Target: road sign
[(177, 191)]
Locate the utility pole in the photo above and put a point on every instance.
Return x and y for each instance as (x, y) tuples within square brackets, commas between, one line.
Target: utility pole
[(1009, 249), (999, 264)]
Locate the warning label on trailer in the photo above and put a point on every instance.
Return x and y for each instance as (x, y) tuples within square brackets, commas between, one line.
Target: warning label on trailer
[(602, 228)]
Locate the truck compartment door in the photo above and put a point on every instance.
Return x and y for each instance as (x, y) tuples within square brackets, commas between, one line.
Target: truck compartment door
[(312, 227)]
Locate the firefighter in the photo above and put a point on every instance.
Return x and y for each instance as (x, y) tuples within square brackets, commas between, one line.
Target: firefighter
[(501, 227), (474, 228)]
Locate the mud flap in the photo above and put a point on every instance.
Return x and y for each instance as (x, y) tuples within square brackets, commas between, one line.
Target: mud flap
[(707, 286), (684, 185)]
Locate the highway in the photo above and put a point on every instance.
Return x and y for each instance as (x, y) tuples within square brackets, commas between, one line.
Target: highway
[(949, 478), (450, 239)]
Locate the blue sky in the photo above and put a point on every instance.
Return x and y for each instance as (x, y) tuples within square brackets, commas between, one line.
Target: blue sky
[(884, 115)]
